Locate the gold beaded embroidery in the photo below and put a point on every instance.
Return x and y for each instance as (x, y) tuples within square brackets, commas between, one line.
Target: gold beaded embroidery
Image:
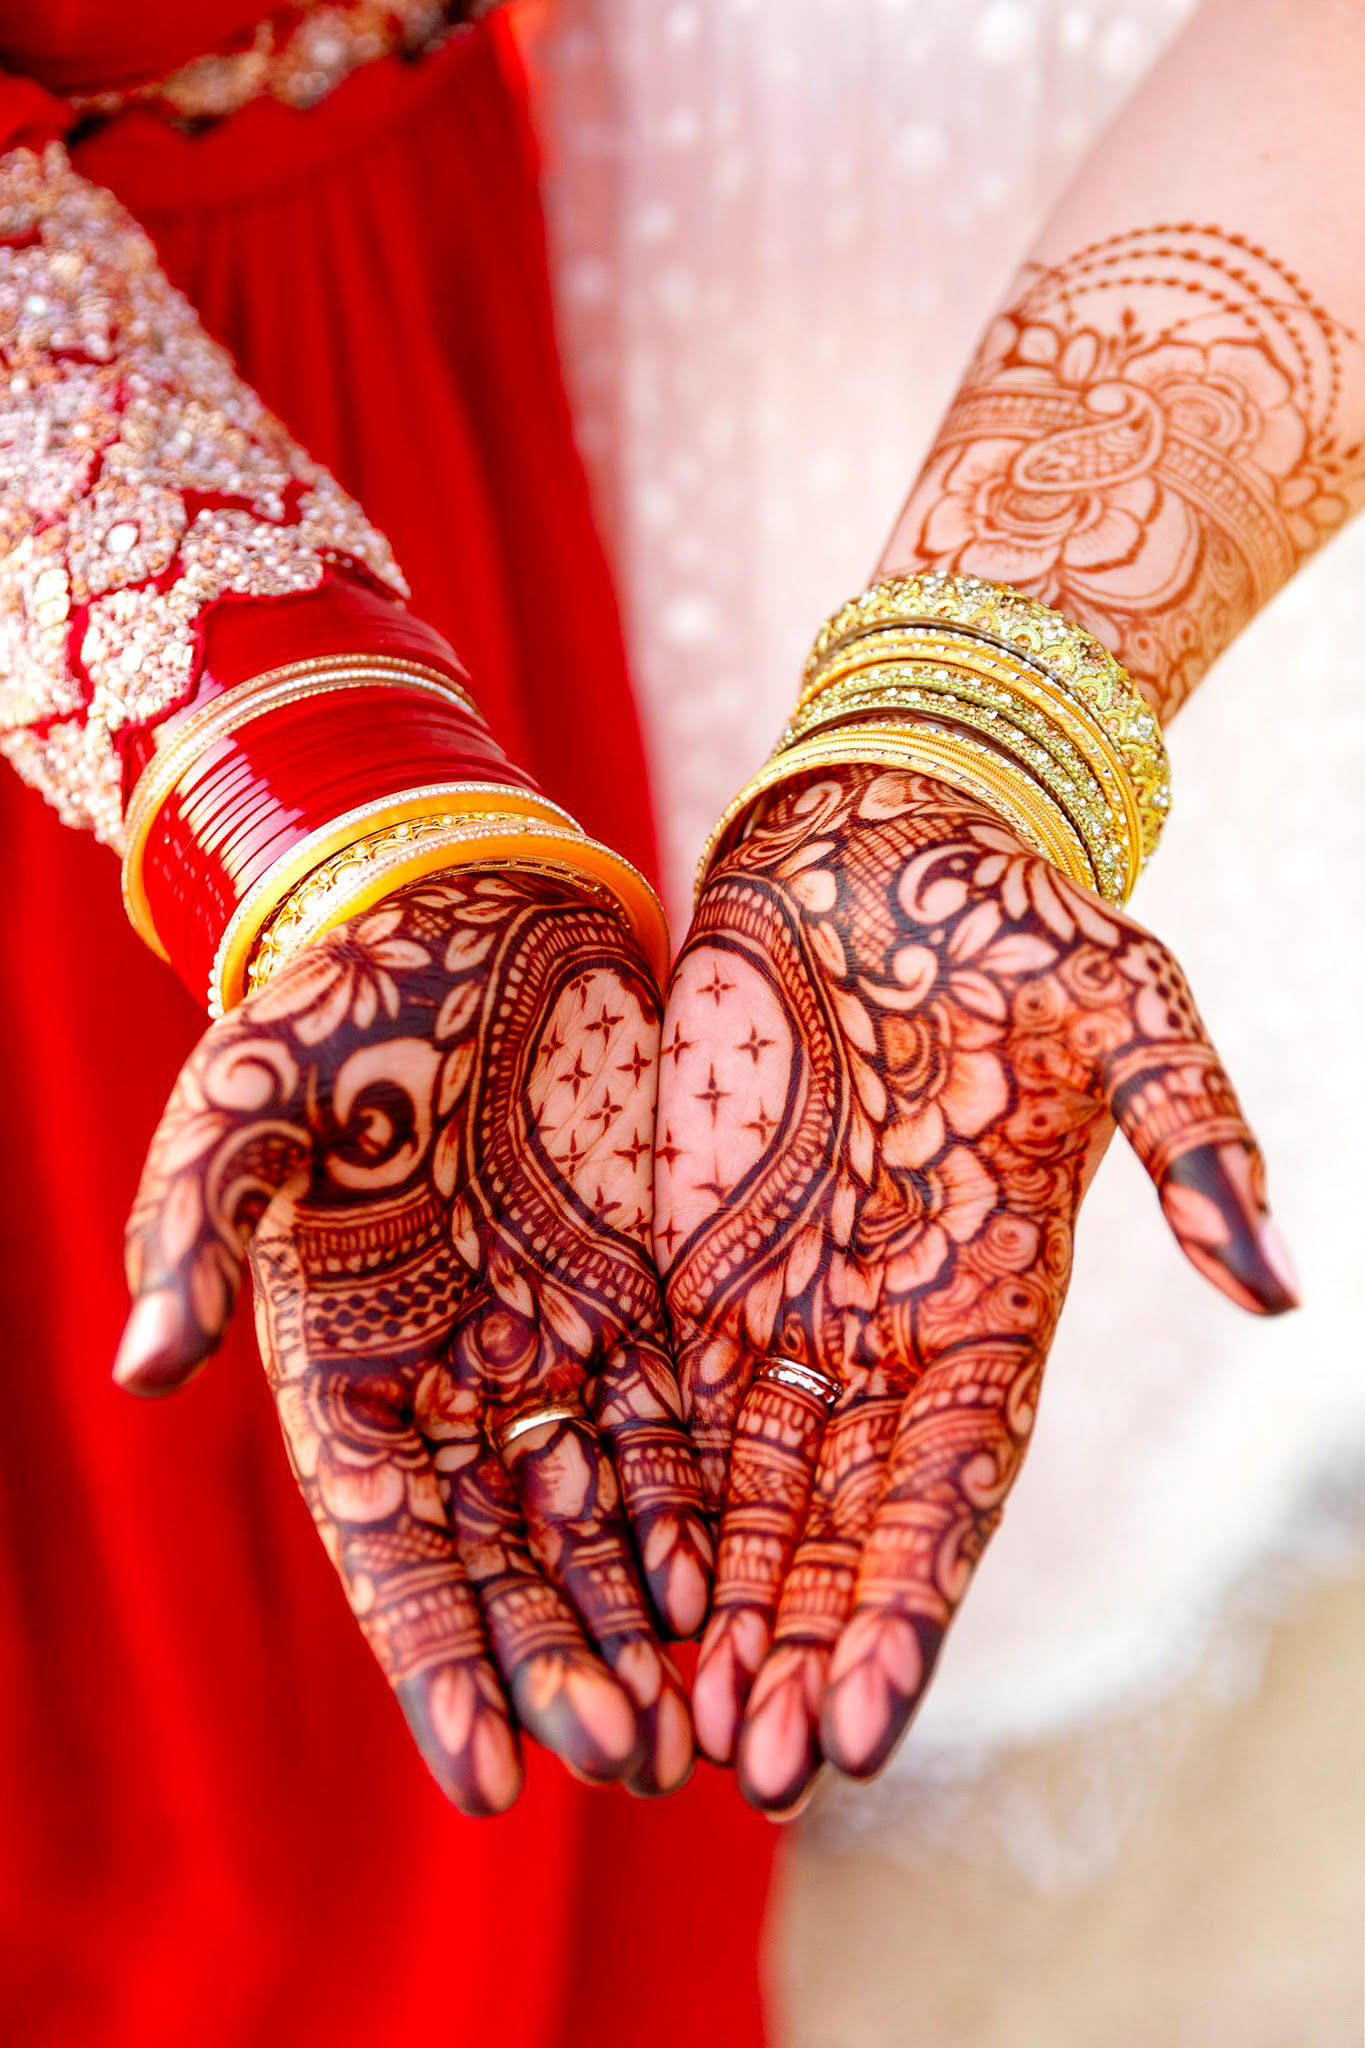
[(298, 54), (117, 408), (310, 908)]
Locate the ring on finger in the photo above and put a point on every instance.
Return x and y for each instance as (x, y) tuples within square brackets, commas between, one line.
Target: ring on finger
[(536, 1418), (800, 1379)]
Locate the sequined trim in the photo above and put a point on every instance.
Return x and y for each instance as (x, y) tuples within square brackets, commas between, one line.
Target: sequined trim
[(297, 54), (119, 419)]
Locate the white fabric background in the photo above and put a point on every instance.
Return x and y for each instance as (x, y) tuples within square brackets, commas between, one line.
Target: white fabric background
[(779, 225)]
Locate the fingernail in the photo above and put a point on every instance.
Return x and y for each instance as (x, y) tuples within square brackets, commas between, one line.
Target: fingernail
[(686, 1596), (150, 1358), (716, 1713), (1279, 1260), (781, 1817)]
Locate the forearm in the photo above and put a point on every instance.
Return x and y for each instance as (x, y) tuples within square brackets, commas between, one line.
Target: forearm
[(207, 654), (1168, 413)]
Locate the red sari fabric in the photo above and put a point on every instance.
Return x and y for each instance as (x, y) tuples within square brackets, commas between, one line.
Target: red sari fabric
[(213, 1827)]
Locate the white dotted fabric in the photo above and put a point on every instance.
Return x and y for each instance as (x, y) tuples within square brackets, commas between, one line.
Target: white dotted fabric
[(779, 225)]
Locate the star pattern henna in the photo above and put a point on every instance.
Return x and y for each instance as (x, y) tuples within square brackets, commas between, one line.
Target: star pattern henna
[(634, 1152), (665, 1151), (760, 1122), (677, 1045), (712, 1094), (715, 988), (636, 1064), (1150, 438), (423, 1135), (946, 1028)]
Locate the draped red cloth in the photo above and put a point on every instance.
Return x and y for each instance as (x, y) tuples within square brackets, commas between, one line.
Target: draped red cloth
[(213, 1827)]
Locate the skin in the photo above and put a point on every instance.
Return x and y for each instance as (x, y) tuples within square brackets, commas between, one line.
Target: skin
[(1163, 421), (430, 1137), (896, 1042), (896, 1045), (1154, 433)]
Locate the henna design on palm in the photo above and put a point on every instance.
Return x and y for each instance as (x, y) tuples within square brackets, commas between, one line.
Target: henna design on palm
[(1152, 438), (431, 1136), (893, 1049)]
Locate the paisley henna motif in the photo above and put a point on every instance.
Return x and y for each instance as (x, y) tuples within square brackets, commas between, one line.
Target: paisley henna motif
[(431, 1134), (893, 1048), (1152, 438)]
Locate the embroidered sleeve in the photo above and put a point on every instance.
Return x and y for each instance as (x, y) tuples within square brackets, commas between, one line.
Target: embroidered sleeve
[(140, 482)]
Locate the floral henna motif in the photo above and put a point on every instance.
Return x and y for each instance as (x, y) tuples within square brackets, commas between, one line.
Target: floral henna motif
[(431, 1134), (893, 1048), (1151, 439)]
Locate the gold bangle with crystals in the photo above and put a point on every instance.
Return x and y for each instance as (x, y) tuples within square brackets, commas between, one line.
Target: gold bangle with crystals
[(361, 875), (1010, 679), (450, 801), (191, 732), (919, 688), (1078, 664), (916, 693), (954, 758)]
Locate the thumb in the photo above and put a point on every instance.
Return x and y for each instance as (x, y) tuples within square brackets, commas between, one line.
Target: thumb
[(229, 1140), (1174, 1103)]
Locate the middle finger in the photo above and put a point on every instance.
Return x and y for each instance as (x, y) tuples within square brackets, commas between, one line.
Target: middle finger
[(779, 1749), (570, 1503)]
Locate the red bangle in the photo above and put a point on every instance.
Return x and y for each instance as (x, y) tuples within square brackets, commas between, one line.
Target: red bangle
[(279, 799), (248, 801), (246, 779), (244, 637)]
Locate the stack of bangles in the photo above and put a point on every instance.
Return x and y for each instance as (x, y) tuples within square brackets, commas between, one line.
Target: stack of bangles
[(995, 695), (274, 810)]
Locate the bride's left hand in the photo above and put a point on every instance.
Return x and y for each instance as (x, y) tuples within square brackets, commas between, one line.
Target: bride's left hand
[(894, 1050)]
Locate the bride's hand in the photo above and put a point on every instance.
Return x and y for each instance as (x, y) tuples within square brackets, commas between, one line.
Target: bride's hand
[(893, 1048), (431, 1134)]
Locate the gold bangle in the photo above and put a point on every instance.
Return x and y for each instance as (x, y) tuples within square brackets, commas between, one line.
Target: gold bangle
[(450, 801), (953, 758), (189, 734), (304, 912), (998, 780), (918, 688), (365, 872), (1073, 659), (1038, 704), (938, 694)]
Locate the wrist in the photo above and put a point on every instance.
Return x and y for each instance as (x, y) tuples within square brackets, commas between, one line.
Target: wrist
[(277, 764), (979, 686), (437, 846), (243, 639), (289, 797)]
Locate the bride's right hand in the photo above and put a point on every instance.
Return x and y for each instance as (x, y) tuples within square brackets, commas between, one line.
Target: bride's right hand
[(432, 1134)]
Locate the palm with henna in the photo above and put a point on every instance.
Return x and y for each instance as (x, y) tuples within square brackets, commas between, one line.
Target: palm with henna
[(431, 1135), (895, 1047)]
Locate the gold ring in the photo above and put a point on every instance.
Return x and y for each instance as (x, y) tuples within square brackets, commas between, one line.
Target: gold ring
[(801, 1379), (522, 1425)]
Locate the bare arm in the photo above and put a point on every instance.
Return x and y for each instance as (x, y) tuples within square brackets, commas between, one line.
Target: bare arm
[(1167, 414), (896, 1042)]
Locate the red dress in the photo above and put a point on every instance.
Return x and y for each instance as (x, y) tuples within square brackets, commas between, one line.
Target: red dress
[(213, 1827)]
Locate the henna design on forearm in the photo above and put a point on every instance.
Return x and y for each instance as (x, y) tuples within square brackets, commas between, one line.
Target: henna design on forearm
[(432, 1134), (1152, 437), (893, 1046)]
